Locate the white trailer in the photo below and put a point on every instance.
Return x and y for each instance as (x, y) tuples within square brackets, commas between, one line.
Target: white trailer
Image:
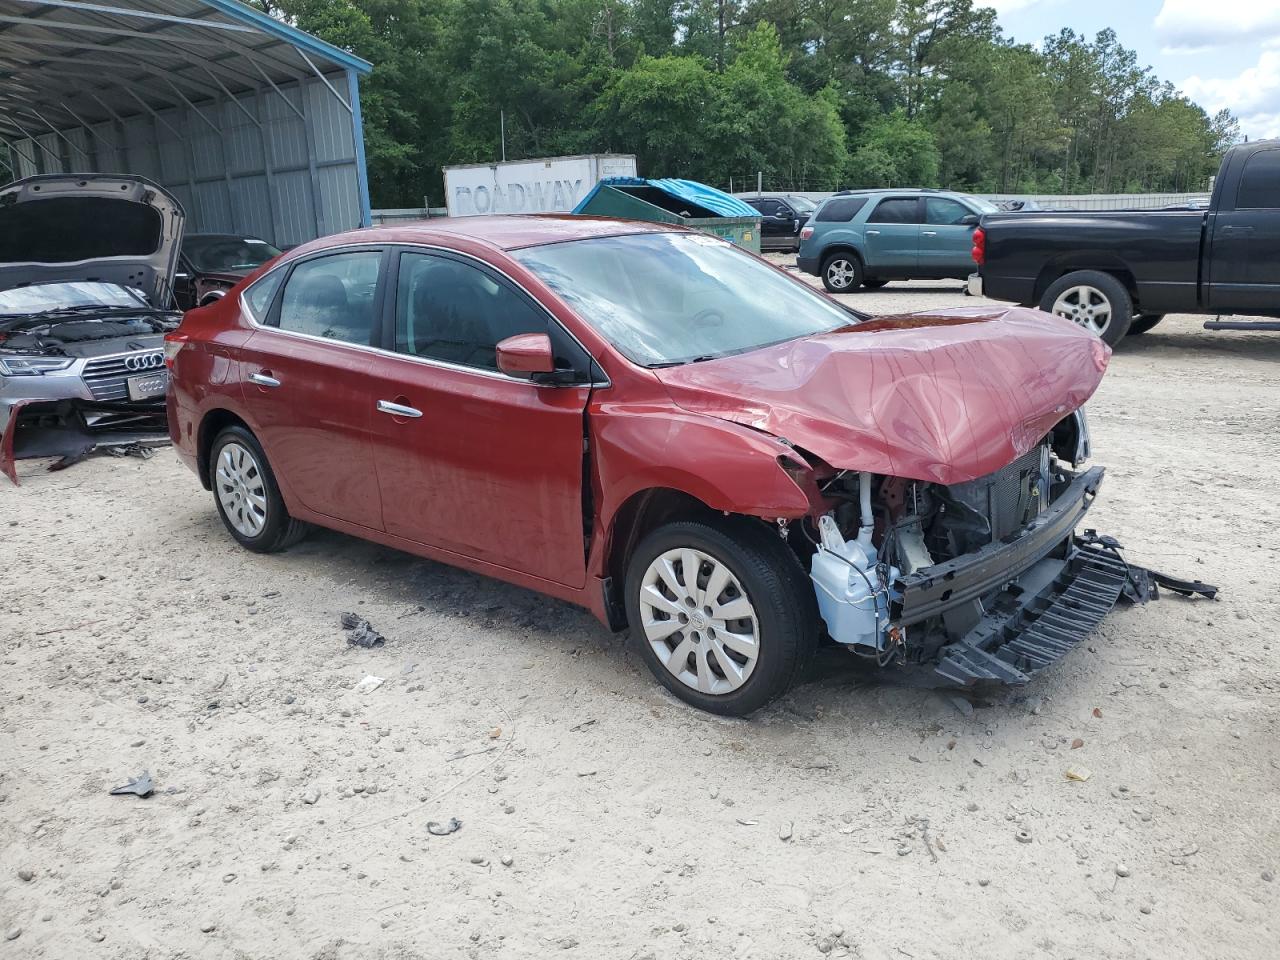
[(549, 185)]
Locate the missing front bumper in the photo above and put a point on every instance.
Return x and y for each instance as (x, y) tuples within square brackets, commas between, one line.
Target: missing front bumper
[(73, 429)]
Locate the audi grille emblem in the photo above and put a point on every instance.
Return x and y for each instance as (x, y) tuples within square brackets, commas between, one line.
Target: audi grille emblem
[(144, 361)]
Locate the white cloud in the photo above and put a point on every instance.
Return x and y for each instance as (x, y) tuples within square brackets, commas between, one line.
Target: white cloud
[(1253, 95), (1190, 25), (1007, 6)]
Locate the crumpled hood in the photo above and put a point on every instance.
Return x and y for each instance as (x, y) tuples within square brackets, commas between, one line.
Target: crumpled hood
[(945, 397), (90, 226)]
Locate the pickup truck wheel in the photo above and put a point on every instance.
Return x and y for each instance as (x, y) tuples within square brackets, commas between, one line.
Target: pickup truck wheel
[(1096, 301), (248, 498), (723, 614), (1144, 322), (841, 272)]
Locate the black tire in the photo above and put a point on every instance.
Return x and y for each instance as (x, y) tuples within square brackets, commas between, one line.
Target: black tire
[(279, 531), (1103, 286), (841, 272), (786, 611), (1143, 322), (873, 284)]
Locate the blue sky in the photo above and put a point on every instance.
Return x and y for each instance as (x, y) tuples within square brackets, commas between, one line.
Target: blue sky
[(1220, 53)]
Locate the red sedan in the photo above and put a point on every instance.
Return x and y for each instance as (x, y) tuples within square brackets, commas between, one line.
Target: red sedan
[(668, 431)]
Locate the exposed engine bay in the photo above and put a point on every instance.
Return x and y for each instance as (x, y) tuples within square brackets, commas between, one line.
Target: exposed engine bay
[(985, 580)]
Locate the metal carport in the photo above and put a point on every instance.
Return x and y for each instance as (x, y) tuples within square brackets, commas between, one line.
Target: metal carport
[(253, 124)]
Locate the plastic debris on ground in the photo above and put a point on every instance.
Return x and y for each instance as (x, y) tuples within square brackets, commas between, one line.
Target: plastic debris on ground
[(360, 632), (139, 786), (444, 829), (369, 684)]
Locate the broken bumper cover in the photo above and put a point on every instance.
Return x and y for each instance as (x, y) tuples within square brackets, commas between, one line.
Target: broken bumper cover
[(1042, 591), (72, 429)]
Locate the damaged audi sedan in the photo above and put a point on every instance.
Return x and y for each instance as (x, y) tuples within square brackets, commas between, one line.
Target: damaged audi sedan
[(86, 274), (670, 432)]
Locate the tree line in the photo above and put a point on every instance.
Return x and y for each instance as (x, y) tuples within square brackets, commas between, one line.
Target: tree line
[(812, 94)]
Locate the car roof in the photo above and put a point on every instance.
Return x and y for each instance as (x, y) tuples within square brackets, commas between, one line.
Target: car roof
[(500, 232)]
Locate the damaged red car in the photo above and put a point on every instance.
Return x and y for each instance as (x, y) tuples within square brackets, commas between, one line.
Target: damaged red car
[(670, 432)]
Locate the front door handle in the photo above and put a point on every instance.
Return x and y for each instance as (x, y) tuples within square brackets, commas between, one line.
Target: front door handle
[(873, 233), (264, 380), (398, 409), (928, 233)]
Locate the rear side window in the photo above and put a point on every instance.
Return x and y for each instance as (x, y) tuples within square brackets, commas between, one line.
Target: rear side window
[(1260, 182), (260, 295), (840, 210), (896, 210), (332, 297)]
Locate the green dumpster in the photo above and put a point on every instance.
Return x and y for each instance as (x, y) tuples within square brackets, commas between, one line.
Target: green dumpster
[(684, 202)]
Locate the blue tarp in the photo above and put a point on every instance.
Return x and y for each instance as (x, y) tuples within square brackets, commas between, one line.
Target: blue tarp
[(690, 191)]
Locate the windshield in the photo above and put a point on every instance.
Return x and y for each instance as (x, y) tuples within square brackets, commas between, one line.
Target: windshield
[(217, 254), (669, 298), (38, 298), (802, 204), (984, 206)]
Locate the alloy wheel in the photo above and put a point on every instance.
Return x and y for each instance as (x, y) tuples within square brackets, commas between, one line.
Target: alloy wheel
[(841, 273), (699, 622), (1086, 306), (241, 489)]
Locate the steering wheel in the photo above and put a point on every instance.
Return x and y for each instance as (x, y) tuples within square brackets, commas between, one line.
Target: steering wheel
[(710, 317)]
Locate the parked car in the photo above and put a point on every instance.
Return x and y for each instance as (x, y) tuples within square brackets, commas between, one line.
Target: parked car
[(668, 431), (1118, 273), (86, 272), (213, 263), (782, 216), (869, 237)]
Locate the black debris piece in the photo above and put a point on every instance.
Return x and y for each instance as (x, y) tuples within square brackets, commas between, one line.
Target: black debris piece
[(139, 786), (360, 632)]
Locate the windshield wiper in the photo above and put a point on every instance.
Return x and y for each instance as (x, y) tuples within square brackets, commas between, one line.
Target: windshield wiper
[(679, 363)]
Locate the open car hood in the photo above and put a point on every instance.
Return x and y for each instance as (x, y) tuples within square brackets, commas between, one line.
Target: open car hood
[(90, 226), (945, 397)]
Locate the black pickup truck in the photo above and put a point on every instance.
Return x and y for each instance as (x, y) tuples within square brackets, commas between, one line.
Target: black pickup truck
[(1119, 272)]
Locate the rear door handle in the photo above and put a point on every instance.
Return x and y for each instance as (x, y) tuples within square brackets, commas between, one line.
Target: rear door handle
[(929, 233), (398, 409), (263, 380)]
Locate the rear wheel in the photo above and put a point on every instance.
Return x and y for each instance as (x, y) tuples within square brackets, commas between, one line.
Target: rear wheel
[(723, 614), (841, 272), (1093, 300), (247, 496), (1144, 322)]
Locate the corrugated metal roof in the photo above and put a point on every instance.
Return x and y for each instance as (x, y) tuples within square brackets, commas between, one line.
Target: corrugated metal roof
[(70, 63)]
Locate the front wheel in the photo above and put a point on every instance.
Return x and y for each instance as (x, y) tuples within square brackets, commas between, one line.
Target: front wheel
[(841, 272), (1093, 300), (723, 614), (1144, 322)]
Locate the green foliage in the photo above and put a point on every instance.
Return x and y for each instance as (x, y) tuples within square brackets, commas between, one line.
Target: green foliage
[(812, 94)]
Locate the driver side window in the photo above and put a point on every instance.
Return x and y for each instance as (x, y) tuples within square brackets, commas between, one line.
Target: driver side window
[(452, 311)]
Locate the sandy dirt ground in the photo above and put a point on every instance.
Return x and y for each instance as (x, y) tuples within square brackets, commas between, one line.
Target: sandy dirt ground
[(600, 817)]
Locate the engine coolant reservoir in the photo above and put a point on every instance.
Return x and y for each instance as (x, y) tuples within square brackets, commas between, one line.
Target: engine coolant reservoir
[(854, 606)]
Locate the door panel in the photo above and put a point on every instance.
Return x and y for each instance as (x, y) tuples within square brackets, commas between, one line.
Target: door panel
[(945, 243), (1245, 249), (892, 237), (307, 387), (492, 468), (315, 425)]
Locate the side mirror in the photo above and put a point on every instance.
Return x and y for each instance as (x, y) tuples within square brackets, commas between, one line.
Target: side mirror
[(970, 220), (526, 353)]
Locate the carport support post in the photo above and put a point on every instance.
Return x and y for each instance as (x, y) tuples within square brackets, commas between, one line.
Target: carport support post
[(357, 129)]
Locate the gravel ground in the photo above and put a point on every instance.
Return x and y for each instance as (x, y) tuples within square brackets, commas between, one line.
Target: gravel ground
[(600, 817)]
